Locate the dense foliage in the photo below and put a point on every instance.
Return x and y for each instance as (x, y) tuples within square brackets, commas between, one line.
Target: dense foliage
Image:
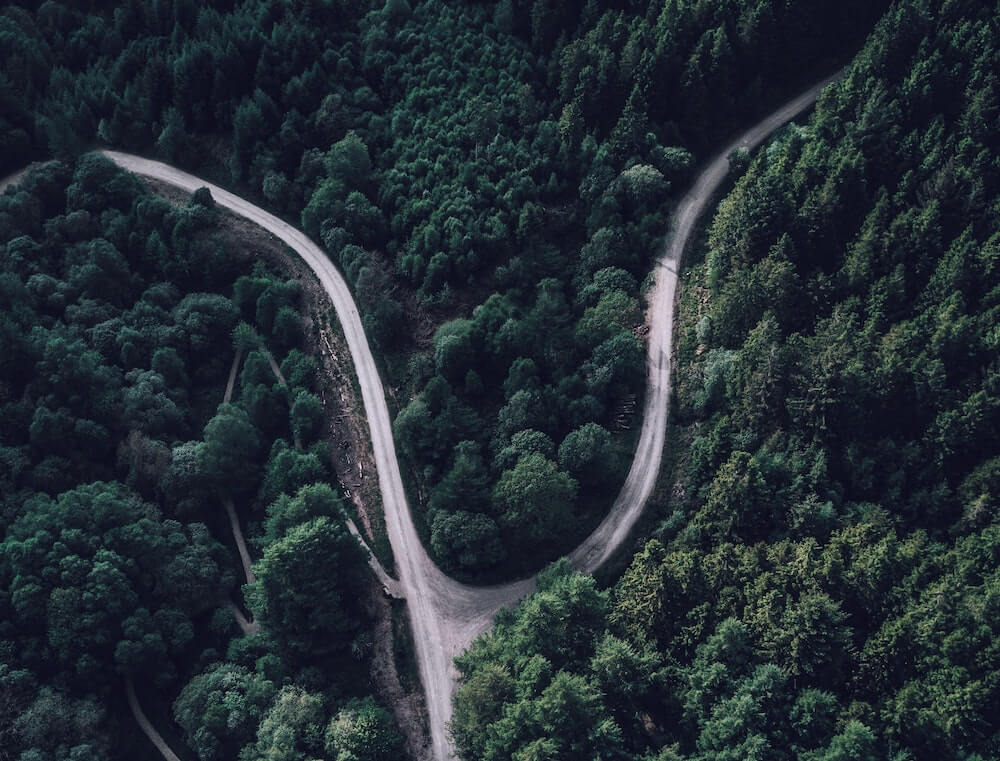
[(116, 457), (500, 168), (825, 583), (493, 179), (532, 184)]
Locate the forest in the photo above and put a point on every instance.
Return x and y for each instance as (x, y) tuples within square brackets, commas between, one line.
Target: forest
[(500, 170), (823, 582), (818, 577), (123, 316)]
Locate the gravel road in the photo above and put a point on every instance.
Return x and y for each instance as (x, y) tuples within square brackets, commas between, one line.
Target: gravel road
[(614, 529), (445, 615), (434, 600)]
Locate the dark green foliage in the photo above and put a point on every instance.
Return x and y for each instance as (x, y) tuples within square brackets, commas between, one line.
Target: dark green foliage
[(502, 172), (847, 310), (230, 454), (557, 712), (306, 417), (585, 454), (291, 729), (821, 587), (104, 351), (54, 725), (286, 512), (465, 540), (761, 656), (522, 443), (307, 586), (289, 469), (203, 197), (465, 485), (299, 369), (363, 730), (220, 709), (542, 396), (99, 576), (492, 176), (535, 499), (111, 371)]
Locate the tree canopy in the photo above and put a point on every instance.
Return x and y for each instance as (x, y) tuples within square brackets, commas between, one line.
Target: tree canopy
[(817, 584), (118, 459)]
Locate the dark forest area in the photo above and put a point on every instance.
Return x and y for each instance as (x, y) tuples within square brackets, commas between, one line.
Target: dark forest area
[(819, 578), (823, 583), (123, 316), (492, 179)]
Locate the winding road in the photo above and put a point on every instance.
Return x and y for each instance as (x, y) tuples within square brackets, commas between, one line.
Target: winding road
[(446, 615)]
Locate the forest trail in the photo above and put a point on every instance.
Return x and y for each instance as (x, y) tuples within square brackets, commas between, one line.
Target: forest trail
[(597, 548), (241, 542), (227, 502), (247, 626), (233, 372), (445, 615), (144, 723)]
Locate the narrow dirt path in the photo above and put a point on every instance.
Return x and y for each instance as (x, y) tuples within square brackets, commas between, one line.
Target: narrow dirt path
[(389, 585), (241, 543), (276, 369), (247, 626), (145, 725), (446, 615), (233, 372), (227, 502)]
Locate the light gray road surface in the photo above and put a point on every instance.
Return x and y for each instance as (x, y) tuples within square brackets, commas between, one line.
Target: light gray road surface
[(614, 529), (446, 615)]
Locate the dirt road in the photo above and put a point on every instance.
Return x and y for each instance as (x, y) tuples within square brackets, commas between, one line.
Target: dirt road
[(433, 598), (146, 725), (445, 615), (14, 179), (614, 529)]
